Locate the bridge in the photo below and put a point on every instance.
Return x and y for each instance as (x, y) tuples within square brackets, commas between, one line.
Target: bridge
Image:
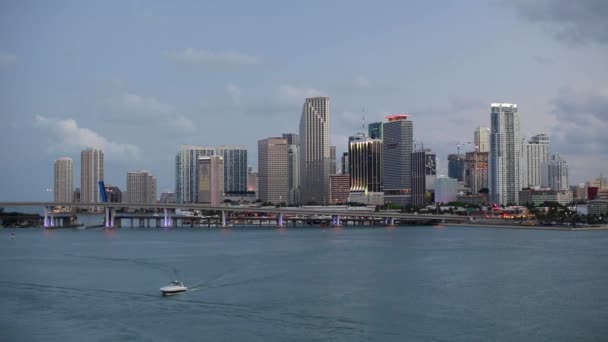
[(224, 212)]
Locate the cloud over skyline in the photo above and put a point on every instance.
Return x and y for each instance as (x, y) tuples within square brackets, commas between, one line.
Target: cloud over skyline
[(69, 138), (576, 22)]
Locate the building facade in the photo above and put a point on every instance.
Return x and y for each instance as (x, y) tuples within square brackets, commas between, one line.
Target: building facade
[(211, 180), (424, 173), (539, 197), (456, 166), (537, 153), (339, 188), (446, 190), (365, 164), (273, 170), (375, 130), (114, 194), (141, 187), (476, 170), (505, 160), (398, 143), (235, 169), (332, 160), (481, 139), (315, 150), (345, 163), (91, 172), (63, 189), (186, 173), (293, 173), (555, 173)]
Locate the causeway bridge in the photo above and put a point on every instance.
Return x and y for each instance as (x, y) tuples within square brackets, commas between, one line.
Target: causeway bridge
[(225, 214)]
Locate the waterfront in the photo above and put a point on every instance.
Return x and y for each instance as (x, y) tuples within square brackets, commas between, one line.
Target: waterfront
[(262, 284)]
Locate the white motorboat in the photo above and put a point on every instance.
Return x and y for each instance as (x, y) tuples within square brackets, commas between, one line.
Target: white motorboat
[(173, 288)]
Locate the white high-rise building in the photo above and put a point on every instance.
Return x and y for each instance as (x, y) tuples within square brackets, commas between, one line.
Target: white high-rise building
[(505, 164), (91, 172), (186, 172), (446, 189), (141, 187), (536, 153), (555, 173), (272, 170), (315, 151), (481, 139), (64, 180)]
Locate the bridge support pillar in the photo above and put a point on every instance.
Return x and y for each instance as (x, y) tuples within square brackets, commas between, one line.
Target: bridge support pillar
[(109, 217), (224, 218), (335, 221), (280, 220)]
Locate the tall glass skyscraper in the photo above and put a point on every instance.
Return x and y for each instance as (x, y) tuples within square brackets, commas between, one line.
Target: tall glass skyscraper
[(505, 164), (64, 180), (315, 151), (375, 130), (235, 169), (398, 137)]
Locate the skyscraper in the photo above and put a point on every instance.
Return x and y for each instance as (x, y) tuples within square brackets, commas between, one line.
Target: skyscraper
[(505, 179), (272, 170), (315, 150), (481, 139), (186, 173), (141, 187), (375, 130), (235, 169), (332, 160), (446, 189), (345, 163), (63, 189), (555, 173), (398, 137), (293, 167), (365, 164), (91, 172), (476, 170), (456, 166), (424, 173), (211, 180), (537, 153), (293, 174)]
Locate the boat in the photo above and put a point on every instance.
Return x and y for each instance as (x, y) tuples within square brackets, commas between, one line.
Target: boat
[(173, 288)]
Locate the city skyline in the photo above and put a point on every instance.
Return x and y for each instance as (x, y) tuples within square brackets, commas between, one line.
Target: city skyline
[(140, 102)]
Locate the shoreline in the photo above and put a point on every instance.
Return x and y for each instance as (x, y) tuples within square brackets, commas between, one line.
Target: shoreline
[(515, 226)]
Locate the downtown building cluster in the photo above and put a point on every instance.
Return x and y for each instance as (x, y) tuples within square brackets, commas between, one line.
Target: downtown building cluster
[(384, 165)]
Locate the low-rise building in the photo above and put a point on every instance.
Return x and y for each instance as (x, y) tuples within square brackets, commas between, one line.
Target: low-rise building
[(541, 196)]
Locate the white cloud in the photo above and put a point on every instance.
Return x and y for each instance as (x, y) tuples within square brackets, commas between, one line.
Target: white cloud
[(235, 93), (295, 94), (70, 138), (212, 59), (130, 107), (7, 59)]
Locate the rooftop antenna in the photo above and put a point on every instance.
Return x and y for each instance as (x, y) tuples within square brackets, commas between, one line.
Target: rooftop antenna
[(363, 122)]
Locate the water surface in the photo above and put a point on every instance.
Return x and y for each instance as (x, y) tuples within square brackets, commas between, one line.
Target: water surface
[(304, 284)]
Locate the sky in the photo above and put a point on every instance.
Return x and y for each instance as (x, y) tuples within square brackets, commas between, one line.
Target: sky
[(139, 78)]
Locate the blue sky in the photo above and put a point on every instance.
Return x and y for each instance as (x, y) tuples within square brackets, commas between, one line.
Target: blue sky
[(139, 78)]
